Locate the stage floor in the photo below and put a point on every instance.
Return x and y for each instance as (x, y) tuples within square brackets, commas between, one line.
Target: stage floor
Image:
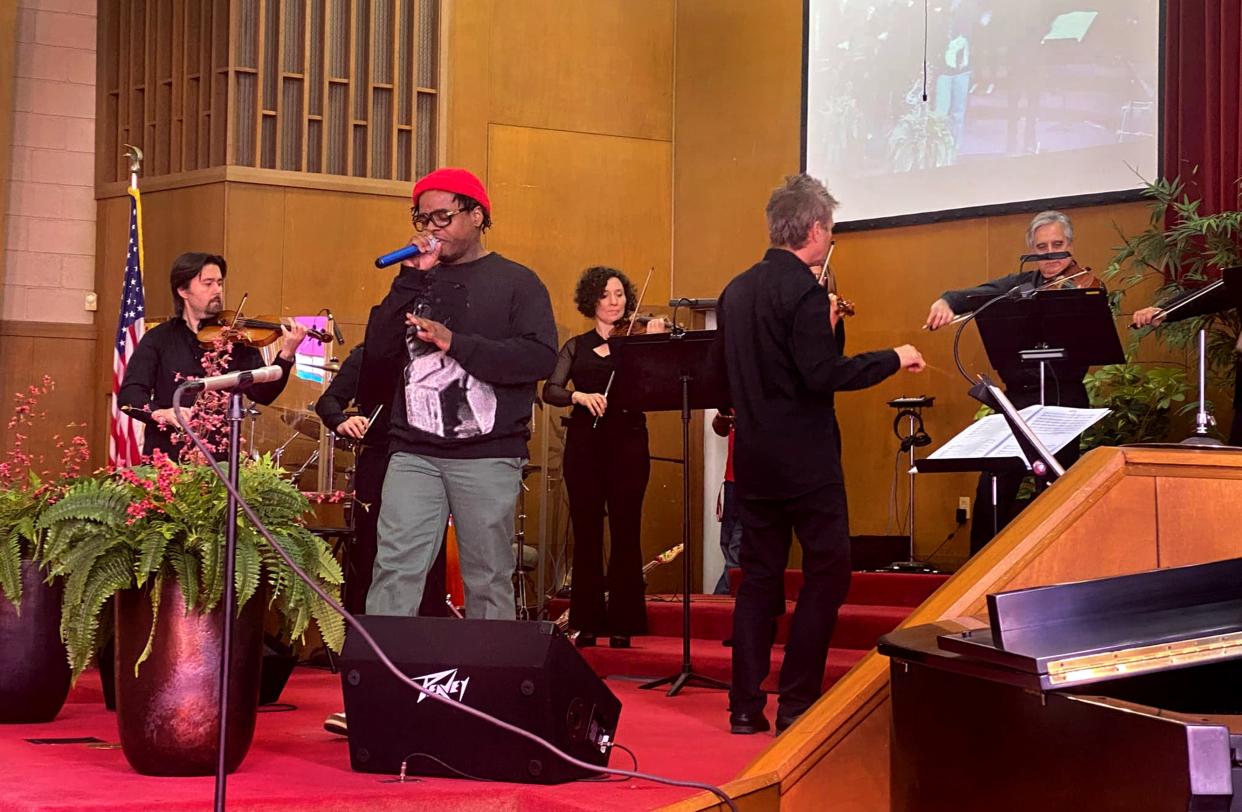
[(294, 764)]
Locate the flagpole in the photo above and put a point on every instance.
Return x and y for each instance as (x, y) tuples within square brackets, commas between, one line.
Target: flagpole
[(125, 433)]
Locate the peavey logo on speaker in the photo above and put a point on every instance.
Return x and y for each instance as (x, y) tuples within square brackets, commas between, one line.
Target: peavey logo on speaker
[(444, 683)]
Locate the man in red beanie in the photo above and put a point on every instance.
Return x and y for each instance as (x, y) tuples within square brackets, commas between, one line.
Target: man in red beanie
[(456, 348)]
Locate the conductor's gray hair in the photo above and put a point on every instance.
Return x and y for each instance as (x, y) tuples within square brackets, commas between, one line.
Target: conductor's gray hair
[(796, 205)]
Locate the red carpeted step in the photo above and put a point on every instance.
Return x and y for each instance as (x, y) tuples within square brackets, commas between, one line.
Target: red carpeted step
[(858, 626), (653, 657), (885, 588)]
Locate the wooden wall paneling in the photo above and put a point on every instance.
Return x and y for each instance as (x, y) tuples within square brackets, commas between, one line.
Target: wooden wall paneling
[(66, 354), (330, 242), (1198, 514), (467, 86), (737, 125), (256, 255), (603, 67)]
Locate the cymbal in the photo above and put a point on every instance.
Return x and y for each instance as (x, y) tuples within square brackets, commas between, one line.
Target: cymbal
[(309, 426), (327, 366)]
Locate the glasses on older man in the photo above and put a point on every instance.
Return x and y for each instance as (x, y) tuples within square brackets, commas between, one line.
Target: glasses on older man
[(440, 218)]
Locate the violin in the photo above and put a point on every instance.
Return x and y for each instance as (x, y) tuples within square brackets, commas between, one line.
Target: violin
[(253, 332), (828, 282), (637, 325), (1074, 277)]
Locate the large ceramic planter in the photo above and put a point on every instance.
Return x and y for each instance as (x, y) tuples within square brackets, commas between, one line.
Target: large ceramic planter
[(34, 670), (168, 714)]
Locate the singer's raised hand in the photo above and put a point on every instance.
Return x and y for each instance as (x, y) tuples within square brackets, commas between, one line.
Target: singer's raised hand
[(292, 335), (433, 332), (429, 252)]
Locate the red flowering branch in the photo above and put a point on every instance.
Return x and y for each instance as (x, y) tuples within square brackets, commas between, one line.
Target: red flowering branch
[(209, 417), (22, 470)]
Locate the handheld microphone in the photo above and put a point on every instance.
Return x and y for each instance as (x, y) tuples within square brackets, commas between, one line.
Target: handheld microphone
[(236, 380), (1045, 257), (402, 254)]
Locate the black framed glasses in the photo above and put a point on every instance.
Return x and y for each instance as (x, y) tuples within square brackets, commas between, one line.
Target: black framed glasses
[(440, 218)]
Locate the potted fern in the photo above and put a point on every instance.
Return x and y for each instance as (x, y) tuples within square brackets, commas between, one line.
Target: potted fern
[(34, 681), (154, 536)]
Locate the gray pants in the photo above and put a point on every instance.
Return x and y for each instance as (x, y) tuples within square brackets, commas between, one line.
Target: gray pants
[(419, 494)]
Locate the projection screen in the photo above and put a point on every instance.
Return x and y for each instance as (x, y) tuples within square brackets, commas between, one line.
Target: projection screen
[(1026, 100)]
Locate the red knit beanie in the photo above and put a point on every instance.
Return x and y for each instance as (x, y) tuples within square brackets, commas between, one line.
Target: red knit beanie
[(457, 181)]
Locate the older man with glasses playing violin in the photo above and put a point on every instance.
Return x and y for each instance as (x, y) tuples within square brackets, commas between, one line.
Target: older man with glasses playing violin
[(1049, 232), (456, 348)]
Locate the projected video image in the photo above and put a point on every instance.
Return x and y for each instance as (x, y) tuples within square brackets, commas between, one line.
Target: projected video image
[(1025, 100)]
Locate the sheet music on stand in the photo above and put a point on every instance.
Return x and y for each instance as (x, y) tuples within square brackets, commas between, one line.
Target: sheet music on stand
[(1055, 426)]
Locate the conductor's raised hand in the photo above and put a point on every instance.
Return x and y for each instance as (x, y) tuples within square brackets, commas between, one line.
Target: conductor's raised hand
[(429, 252), (911, 359), (594, 402), (939, 315)]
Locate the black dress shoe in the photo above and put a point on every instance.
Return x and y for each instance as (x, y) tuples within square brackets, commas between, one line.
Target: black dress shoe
[(619, 641), (783, 722), (584, 640), (746, 723)]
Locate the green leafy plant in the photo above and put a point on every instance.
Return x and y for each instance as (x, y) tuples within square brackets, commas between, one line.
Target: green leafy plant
[(26, 488), (921, 140), (1142, 400), (1181, 248), (137, 527)]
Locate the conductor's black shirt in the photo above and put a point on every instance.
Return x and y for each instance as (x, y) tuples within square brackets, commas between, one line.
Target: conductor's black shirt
[(784, 366)]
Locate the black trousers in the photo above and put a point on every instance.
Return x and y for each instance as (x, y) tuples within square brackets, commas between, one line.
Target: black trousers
[(370, 467), (606, 471), (821, 521)]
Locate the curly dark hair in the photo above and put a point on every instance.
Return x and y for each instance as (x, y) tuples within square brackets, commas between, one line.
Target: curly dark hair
[(591, 289)]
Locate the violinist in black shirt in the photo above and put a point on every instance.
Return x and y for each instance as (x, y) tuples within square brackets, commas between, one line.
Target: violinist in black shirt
[(606, 467), (776, 342), (171, 352), (1048, 231)]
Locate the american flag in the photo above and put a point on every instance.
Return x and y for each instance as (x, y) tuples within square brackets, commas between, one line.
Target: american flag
[(125, 437)]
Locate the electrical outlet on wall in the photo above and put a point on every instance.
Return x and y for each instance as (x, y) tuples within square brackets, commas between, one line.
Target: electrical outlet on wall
[(91, 302), (963, 509)]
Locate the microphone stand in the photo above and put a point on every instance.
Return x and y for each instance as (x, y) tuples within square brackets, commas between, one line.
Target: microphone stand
[(230, 589), (230, 567), (1202, 418)]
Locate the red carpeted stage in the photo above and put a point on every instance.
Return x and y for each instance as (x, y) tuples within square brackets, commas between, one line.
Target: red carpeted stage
[(294, 764)]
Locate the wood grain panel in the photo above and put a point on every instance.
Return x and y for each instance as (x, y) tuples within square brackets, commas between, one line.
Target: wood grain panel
[(601, 67), (255, 218), (737, 122), (330, 242), (65, 353), (467, 83), (1198, 517)]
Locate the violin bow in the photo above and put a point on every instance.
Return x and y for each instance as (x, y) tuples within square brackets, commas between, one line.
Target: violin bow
[(823, 272)]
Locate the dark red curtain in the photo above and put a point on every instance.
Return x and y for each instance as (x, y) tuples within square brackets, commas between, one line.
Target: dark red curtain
[(1202, 122)]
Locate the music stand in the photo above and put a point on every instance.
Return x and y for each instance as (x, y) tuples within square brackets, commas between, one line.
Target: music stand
[(666, 372), (1069, 329)]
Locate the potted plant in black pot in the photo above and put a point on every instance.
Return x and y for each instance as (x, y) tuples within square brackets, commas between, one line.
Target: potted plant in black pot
[(154, 536), (34, 673)]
